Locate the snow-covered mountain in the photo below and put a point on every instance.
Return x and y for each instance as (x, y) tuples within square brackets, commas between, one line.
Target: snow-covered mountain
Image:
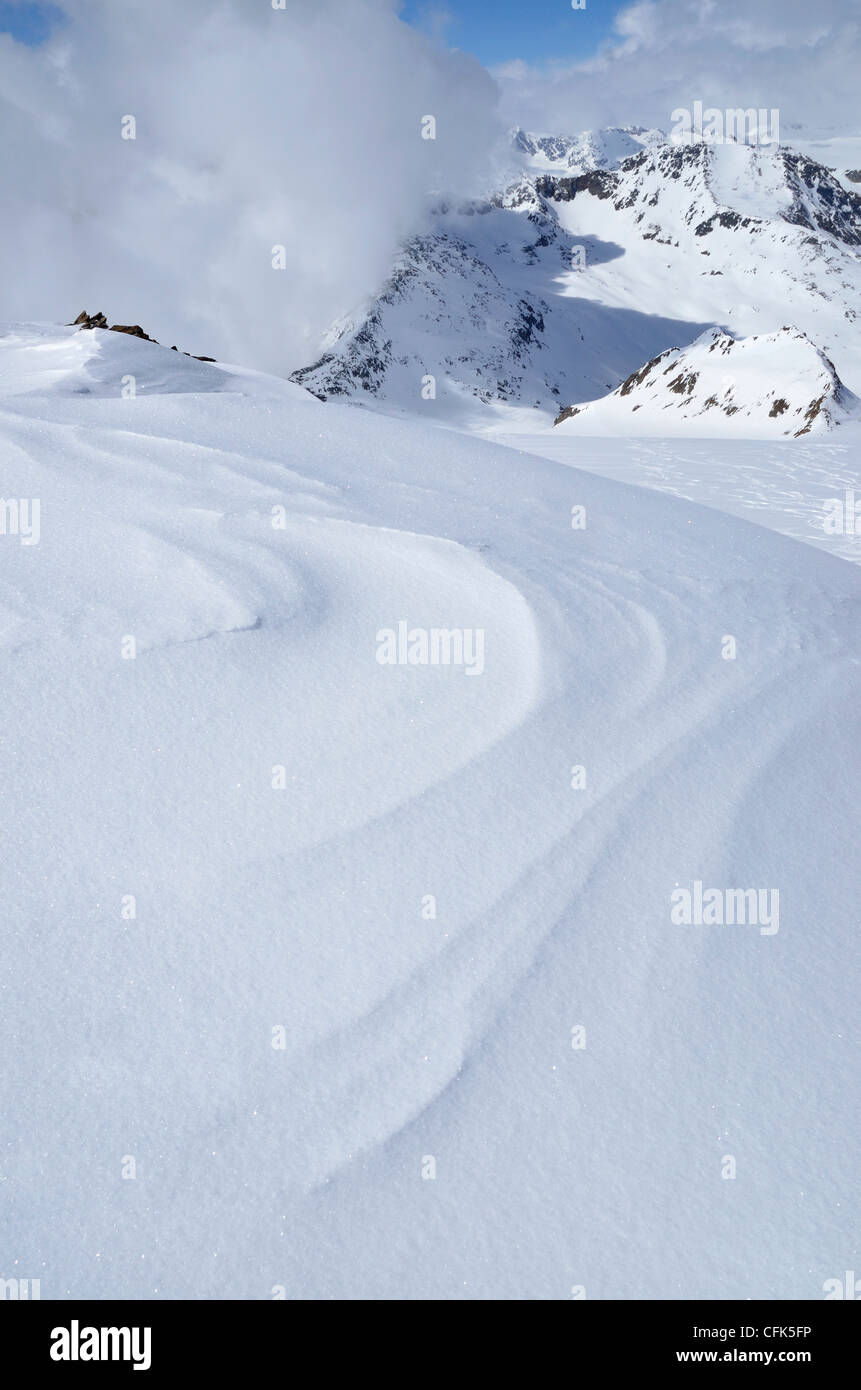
[(778, 385), (336, 959), (592, 149), (555, 290)]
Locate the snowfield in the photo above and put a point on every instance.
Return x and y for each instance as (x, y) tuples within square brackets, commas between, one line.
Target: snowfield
[(432, 889), (808, 490)]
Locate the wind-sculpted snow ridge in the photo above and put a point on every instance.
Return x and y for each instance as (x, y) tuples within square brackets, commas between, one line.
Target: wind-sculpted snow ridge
[(775, 386), (356, 972), (38, 358), (554, 291)]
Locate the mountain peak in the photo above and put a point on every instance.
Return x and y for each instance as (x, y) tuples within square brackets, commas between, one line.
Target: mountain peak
[(776, 384)]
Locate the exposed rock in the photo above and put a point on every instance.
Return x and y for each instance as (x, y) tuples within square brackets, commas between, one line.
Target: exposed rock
[(683, 385), (723, 219), (85, 320), (820, 202), (637, 378), (599, 182), (134, 329)]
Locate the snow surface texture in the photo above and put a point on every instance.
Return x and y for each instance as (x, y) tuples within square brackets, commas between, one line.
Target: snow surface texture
[(611, 248), (407, 1037)]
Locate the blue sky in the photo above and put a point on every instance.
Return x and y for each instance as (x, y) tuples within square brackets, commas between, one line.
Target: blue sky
[(29, 23), (496, 31)]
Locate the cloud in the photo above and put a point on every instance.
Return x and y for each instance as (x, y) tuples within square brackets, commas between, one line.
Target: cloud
[(255, 128), (800, 57)]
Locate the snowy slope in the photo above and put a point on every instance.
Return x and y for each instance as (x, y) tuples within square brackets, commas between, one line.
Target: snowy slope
[(557, 289), (408, 1037), (771, 386), (808, 489), (838, 149)]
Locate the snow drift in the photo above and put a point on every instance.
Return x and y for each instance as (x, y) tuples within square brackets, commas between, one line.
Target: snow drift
[(302, 950)]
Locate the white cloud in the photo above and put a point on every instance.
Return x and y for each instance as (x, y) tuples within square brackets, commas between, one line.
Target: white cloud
[(800, 57), (255, 127)]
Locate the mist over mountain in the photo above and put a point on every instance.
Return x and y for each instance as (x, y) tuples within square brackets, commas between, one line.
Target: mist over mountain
[(164, 159), (609, 248)]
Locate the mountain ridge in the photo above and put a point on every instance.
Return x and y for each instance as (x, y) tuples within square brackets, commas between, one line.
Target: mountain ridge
[(560, 285), (765, 382)]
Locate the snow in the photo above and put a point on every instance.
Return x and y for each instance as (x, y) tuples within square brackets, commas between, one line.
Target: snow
[(749, 178), (840, 151), (300, 906), (751, 281), (591, 149), (799, 490), (776, 385), (553, 292)]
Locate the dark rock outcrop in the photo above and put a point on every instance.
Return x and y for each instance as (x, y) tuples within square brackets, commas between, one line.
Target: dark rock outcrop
[(134, 329), (85, 320)]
